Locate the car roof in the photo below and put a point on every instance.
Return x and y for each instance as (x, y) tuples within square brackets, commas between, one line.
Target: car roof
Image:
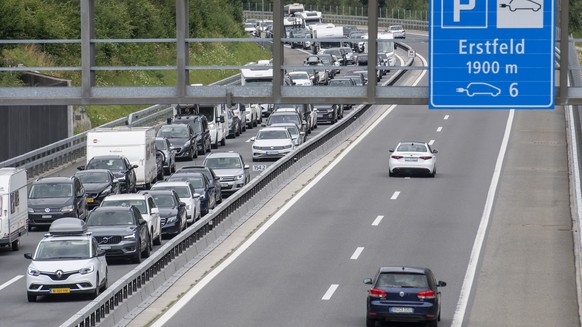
[(108, 156), (283, 125), (112, 208), (223, 155), (414, 270), (125, 196), (56, 179), (176, 183), (97, 170), (273, 128), (156, 192)]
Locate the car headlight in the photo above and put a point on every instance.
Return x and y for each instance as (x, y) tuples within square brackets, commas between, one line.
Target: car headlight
[(86, 270), (129, 236), (106, 191), (186, 145), (211, 126), (288, 146), (188, 207), (239, 177), (33, 271), (121, 179), (67, 209), (330, 110), (30, 210), (172, 219)]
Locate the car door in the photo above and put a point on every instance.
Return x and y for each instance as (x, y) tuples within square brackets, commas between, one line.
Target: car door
[(102, 262)]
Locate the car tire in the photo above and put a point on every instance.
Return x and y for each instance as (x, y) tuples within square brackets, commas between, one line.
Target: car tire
[(15, 246), (137, 256), (202, 151), (105, 282), (160, 176), (158, 240), (31, 297), (193, 153), (97, 290), (432, 323), (223, 141), (215, 145), (391, 174), (433, 172), (370, 322)]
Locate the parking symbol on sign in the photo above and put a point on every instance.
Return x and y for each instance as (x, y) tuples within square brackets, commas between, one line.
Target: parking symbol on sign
[(464, 14)]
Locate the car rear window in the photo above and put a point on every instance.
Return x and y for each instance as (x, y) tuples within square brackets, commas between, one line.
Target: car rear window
[(402, 280), (412, 148)]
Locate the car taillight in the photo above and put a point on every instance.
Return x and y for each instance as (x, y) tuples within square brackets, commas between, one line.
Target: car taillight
[(377, 293), (397, 157), (426, 157), (426, 295)]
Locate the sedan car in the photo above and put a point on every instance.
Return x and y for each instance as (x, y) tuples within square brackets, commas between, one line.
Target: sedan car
[(121, 232), (411, 157), (201, 186), (66, 261), (231, 168), (98, 184), (272, 142), (406, 294), (398, 31), (172, 211)]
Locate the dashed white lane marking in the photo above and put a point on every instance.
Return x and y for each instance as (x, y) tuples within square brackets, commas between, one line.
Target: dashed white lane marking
[(377, 221), (407, 177), (249, 140), (329, 292), (357, 253), (8, 283), (395, 195), (446, 117), (431, 142), (439, 129)]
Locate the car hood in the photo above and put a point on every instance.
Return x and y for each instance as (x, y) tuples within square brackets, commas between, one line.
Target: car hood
[(168, 212), (52, 266), (95, 187), (111, 230), (228, 172), (178, 142), (274, 142), (49, 202)]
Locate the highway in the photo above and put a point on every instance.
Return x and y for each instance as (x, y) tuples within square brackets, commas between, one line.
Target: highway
[(307, 268)]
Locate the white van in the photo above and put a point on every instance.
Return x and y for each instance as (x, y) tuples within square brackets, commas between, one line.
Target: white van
[(217, 122), (13, 206), (138, 144)]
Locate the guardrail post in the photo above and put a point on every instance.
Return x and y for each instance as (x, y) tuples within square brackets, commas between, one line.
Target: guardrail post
[(87, 46)]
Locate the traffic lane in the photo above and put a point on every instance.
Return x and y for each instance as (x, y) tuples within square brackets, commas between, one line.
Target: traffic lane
[(294, 264)]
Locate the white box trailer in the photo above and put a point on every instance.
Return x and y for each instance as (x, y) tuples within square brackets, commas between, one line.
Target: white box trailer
[(13, 206), (137, 144)]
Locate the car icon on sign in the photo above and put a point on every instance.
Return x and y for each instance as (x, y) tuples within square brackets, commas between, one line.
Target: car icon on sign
[(479, 88), (514, 5)]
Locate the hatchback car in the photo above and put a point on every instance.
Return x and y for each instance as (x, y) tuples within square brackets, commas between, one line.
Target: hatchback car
[(121, 232), (187, 194), (172, 211), (231, 168), (412, 157), (288, 117), (406, 294), (272, 142), (67, 260), (98, 184), (51, 198)]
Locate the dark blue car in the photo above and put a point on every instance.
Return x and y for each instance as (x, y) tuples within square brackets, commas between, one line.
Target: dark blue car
[(172, 211), (404, 294), (201, 185)]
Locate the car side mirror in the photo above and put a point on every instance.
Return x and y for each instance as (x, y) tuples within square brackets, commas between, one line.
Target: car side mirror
[(435, 151), (196, 195), (253, 139), (301, 133), (182, 204), (28, 255), (81, 168), (134, 166), (247, 167), (391, 150), (368, 281), (222, 119), (155, 211), (441, 284)]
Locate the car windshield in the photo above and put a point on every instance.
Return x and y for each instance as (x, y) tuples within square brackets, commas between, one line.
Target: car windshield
[(340, 82), (412, 148), (223, 163), (293, 130), (140, 204), (110, 218), (51, 190), (272, 134), (63, 249), (173, 131), (183, 191), (299, 75), (251, 25), (395, 28), (196, 181), (111, 164), (88, 177), (161, 145), (277, 119), (402, 280), (165, 200)]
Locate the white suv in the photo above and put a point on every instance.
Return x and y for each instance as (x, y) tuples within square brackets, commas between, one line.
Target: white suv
[(147, 207), (187, 194)]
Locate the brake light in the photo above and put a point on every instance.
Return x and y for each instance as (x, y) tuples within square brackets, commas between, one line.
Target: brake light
[(426, 295), (426, 157), (377, 293), (397, 157)]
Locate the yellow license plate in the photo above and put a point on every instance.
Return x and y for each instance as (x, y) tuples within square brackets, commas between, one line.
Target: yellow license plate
[(60, 290), (90, 200)]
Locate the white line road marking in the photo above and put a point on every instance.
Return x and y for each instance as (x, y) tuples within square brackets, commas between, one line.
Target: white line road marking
[(439, 129), (249, 140), (395, 195), (3, 286), (446, 117), (377, 220), (431, 142), (357, 253), (407, 177), (480, 237), (329, 292)]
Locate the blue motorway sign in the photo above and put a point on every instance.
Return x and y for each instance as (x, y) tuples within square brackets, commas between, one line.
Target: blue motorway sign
[(491, 54)]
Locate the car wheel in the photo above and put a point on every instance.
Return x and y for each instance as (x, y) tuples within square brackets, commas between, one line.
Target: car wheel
[(158, 240), (15, 245), (433, 172), (391, 174), (193, 153), (370, 322), (137, 255), (96, 292), (215, 145), (173, 169), (161, 175), (432, 323), (105, 282), (223, 141), (202, 151), (31, 297)]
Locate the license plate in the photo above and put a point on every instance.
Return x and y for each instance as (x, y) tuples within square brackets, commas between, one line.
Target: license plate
[(259, 167), (411, 159), (47, 216), (401, 310), (270, 153), (90, 200), (105, 247), (224, 184), (60, 290)]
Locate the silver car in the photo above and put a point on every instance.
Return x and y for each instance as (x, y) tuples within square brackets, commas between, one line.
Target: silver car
[(231, 168), (398, 31)]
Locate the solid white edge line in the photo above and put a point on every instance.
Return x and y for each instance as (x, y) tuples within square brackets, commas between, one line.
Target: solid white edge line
[(465, 294), (213, 273), (395, 195), (377, 221), (8, 283), (327, 296), (357, 253)]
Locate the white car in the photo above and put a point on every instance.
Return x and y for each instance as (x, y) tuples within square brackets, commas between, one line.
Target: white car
[(187, 195), (250, 28), (412, 157), (67, 260), (398, 31), (253, 115), (300, 78), (297, 136), (147, 207), (272, 142)]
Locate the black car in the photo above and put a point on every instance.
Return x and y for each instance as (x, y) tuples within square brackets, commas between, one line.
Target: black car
[(212, 178), (172, 211), (234, 124), (406, 294), (201, 185), (182, 139), (327, 113), (51, 198), (121, 232), (98, 184), (119, 166), (199, 124)]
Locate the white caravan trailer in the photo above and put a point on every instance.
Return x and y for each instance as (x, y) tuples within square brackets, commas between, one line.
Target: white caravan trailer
[(13, 206)]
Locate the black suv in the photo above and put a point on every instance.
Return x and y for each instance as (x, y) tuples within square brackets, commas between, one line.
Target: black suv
[(51, 198), (182, 139), (199, 124), (121, 168)]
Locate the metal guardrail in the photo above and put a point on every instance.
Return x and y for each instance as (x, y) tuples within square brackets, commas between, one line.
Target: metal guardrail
[(110, 308)]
